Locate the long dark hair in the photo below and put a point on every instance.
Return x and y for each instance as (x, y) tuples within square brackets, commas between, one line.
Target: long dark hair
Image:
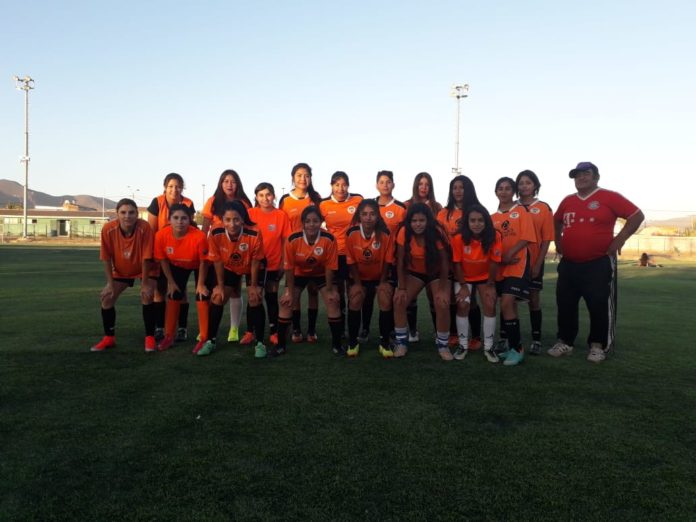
[(415, 198), (238, 207), (487, 236), (311, 191), (432, 234), (470, 197), (219, 196), (380, 225)]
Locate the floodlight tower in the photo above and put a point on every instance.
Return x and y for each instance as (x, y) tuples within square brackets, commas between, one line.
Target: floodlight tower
[(25, 84), (459, 91), (133, 191)]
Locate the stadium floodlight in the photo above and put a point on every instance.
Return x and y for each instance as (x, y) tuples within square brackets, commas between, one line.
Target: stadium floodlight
[(203, 185), (25, 84), (459, 91), (133, 191)]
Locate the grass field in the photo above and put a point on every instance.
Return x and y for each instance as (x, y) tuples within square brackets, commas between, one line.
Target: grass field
[(125, 435)]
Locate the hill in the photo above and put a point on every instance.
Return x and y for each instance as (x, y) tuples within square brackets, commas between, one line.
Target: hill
[(12, 192)]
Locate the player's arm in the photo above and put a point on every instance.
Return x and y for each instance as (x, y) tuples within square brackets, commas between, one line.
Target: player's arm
[(253, 290), (558, 232), (108, 290), (286, 298), (400, 294), (201, 289), (629, 228), (171, 284), (219, 290), (509, 256), (543, 250)]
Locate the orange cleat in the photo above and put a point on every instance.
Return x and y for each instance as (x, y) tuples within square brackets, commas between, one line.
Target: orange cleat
[(150, 344), (248, 338), (273, 339), (198, 346), (475, 343), (165, 344), (108, 341)]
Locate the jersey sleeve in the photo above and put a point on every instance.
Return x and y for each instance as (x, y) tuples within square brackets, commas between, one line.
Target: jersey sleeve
[(622, 207), (148, 241), (258, 252), (289, 257), (495, 253), (547, 231), (154, 207), (160, 240), (106, 251), (527, 232), (457, 248), (208, 209), (332, 255)]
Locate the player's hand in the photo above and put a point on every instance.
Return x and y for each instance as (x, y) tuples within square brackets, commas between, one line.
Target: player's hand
[(107, 292), (508, 260), (463, 296), (202, 290), (286, 298), (254, 294), (147, 291), (218, 295), (615, 247)]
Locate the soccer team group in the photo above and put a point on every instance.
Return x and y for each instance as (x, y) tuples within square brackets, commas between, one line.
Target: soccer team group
[(349, 250)]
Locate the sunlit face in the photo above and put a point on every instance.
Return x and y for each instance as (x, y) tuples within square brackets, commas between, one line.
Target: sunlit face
[(265, 198), (180, 221), (229, 186), (339, 190), (385, 186), (458, 191), (504, 192), (173, 190), (368, 218), (311, 225), (476, 223), (418, 223), (301, 179), (423, 188), (586, 181), (525, 187), (233, 222), (127, 216)]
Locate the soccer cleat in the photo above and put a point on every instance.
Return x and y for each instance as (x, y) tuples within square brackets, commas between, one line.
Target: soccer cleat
[(387, 353), (414, 336), (233, 336), (248, 338), (401, 350), (353, 351), (475, 343), (338, 350), (165, 344), (445, 353), (363, 336), (276, 351), (453, 341), (207, 348), (260, 351), (108, 341), (501, 346), (460, 353), (559, 349), (297, 336), (312, 338), (491, 356), (181, 334), (273, 339), (597, 353), (159, 334), (513, 358), (150, 343), (535, 348), (198, 347)]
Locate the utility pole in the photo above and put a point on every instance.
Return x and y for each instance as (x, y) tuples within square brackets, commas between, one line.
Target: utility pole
[(25, 84), (459, 91)]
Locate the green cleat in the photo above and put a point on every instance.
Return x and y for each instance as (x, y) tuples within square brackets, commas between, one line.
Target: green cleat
[(260, 351), (387, 352), (513, 358), (353, 351), (233, 336), (207, 348)]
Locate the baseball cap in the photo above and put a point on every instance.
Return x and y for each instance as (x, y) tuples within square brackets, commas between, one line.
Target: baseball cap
[(582, 167)]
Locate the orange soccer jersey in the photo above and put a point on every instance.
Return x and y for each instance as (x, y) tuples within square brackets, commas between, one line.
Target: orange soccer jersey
[(184, 252), (515, 225), (417, 255), (310, 260), (474, 261), (293, 207), (542, 218), (338, 216), (126, 253), (393, 214), (453, 223), (235, 254), (370, 254), (207, 212), (160, 208), (274, 227)]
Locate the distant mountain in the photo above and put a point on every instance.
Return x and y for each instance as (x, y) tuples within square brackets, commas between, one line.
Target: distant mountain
[(13, 192), (677, 222)]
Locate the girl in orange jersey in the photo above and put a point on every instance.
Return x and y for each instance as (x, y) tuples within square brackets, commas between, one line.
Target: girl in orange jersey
[(370, 256), (310, 258), (126, 251), (293, 203), (158, 217), (476, 253), (513, 222), (181, 249), (528, 186), (337, 211), (274, 226), (236, 250), (422, 260), (423, 191), (229, 188)]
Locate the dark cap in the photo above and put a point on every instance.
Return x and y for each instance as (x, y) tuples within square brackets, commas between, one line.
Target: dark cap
[(582, 167)]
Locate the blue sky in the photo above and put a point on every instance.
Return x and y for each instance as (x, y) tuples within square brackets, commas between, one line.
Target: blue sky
[(127, 92)]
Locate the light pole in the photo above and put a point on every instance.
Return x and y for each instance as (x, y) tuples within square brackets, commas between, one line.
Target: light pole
[(459, 91), (203, 185), (132, 191), (25, 84)]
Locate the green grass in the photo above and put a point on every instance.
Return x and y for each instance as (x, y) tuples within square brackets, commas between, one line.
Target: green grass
[(311, 437)]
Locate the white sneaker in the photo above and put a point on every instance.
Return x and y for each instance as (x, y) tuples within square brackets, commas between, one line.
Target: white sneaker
[(491, 356), (400, 350), (597, 353), (413, 337), (560, 348), (460, 353)]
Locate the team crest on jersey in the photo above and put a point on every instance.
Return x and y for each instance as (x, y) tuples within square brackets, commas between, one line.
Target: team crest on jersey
[(367, 253), (351, 209), (389, 214), (593, 205), (170, 250), (467, 249), (535, 210), (375, 245), (271, 227), (311, 261), (505, 225), (514, 215), (243, 247), (318, 251), (126, 253), (236, 259)]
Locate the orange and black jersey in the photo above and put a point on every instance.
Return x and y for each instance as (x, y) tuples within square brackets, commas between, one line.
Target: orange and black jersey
[(393, 214), (235, 254), (185, 252), (474, 261), (542, 218), (452, 223), (310, 259), (126, 253), (338, 216), (293, 207), (515, 225), (213, 217), (417, 252), (275, 228), (370, 254), (160, 208)]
